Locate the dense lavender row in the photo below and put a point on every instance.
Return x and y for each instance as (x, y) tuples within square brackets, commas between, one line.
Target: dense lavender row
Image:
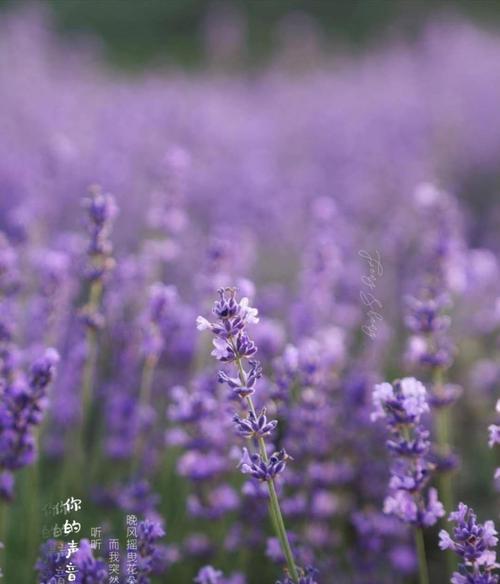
[(354, 309)]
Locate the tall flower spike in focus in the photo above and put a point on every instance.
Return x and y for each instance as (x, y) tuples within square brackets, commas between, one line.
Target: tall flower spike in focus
[(401, 405), (474, 543), (233, 346)]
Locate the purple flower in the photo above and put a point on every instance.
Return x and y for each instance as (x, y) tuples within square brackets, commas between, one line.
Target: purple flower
[(263, 470), (209, 575), (22, 409), (402, 405), (233, 345), (148, 534), (55, 557), (475, 544), (234, 383), (254, 426), (89, 569)]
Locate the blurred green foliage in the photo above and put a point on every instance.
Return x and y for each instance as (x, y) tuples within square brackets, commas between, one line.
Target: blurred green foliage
[(137, 32)]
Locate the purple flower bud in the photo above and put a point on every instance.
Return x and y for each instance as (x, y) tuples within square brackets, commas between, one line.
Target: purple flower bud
[(254, 426)]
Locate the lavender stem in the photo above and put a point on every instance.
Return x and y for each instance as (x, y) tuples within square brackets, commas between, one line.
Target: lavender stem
[(422, 560), (147, 378), (274, 506)]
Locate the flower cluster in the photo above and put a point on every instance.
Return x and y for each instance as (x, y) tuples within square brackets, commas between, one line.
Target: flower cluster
[(23, 404), (474, 543), (402, 405), (55, 557), (148, 553), (263, 470)]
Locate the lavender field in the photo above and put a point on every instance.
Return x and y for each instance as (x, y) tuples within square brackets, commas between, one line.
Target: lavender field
[(249, 318)]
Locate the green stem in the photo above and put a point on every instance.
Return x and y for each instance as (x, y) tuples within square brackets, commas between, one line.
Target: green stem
[(81, 435), (274, 505), (32, 485), (423, 574), (145, 392), (281, 531), (88, 375), (91, 359), (445, 483), (443, 443)]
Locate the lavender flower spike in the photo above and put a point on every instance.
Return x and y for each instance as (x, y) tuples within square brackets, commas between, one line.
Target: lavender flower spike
[(474, 543), (233, 346), (148, 534), (21, 411), (402, 405)]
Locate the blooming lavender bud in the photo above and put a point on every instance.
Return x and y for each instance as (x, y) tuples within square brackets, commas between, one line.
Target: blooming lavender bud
[(101, 207), (51, 562), (474, 543), (90, 569), (402, 403), (425, 315), (235, 385), (417, 445), (432, 355), (148, 534), (261, 470), (233, 317), (54, 559), (254, 426), (415, 510), (43, 370)]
